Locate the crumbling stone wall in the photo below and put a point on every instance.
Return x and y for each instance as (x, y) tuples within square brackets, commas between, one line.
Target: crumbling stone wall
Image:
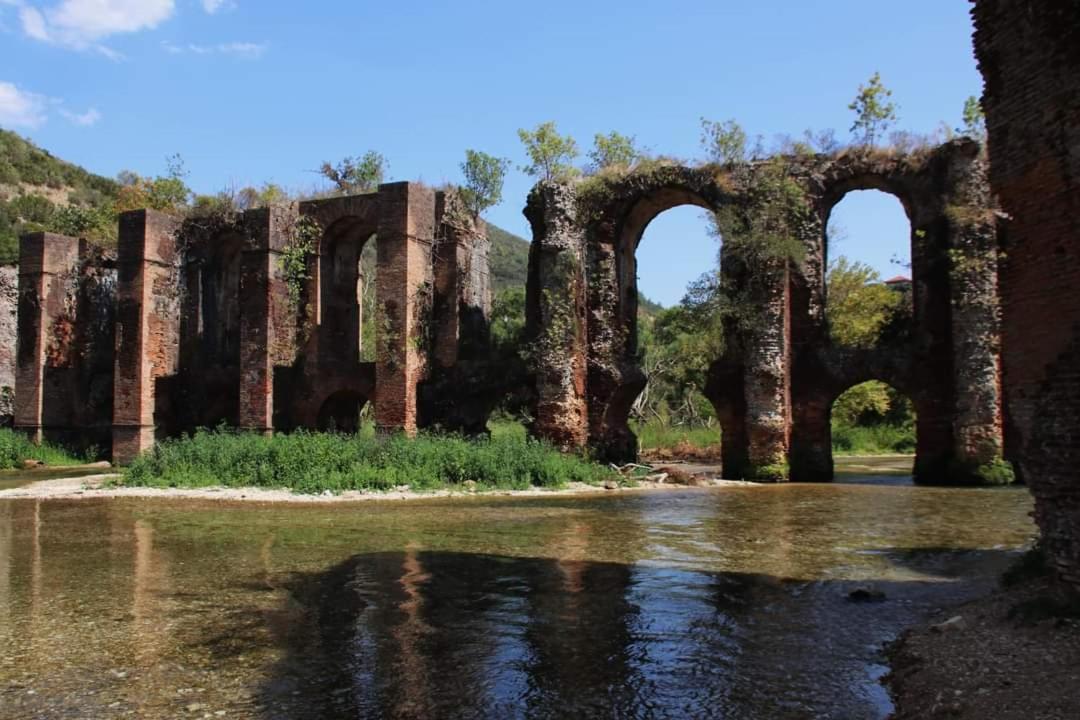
[(9, 333), (66, 324), (774, 387), (1029, 55)]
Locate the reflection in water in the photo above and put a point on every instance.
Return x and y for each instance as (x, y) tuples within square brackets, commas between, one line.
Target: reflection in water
[(698, 603)]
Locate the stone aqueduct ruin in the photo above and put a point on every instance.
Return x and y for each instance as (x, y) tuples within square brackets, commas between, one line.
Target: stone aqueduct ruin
[(774, 386), (194, 323)]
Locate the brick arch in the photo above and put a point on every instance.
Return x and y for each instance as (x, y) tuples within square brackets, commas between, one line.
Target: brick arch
[(615, 378), (338, 282), (774, 389)]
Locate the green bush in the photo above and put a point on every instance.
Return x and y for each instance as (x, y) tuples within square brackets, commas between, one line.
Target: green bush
[(881, 439), (15, 448), (311, 462)]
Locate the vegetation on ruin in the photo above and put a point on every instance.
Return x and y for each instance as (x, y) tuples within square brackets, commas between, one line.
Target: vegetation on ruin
[(15, 448), (310, 462), (355, 175), (551, 155), (484, 175), (874, 111)]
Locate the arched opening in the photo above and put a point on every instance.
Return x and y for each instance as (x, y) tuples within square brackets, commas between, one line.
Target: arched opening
[(869, 275), (342, 412), (672, 260), (873, 427), (347, 293)]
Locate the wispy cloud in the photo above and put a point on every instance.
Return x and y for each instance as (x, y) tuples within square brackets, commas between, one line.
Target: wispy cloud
[(86, 119), (246, 50), (213, 6), (83, 24), (19, 108)]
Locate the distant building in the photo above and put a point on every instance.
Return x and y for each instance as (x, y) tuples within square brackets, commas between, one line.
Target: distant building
[(899, 283)]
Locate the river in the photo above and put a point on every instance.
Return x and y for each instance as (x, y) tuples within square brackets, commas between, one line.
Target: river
[(707, 603)]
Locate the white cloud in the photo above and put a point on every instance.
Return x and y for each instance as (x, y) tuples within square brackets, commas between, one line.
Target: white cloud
[(246, 50), (19, 108), (86, 119), (81, 24), (212, 6)]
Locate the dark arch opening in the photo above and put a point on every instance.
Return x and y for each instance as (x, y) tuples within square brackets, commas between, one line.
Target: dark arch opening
[(341, 412), (219, 301)]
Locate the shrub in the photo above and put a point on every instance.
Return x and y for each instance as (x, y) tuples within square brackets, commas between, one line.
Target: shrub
[(16, 447), (311, 462)]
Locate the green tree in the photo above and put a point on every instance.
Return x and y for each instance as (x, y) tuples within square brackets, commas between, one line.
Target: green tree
[(353, 175), (863, 404), (484, 176), (974, 120), (723, 142), (550, 154), (859, 304), (613, 150), (874, 112)]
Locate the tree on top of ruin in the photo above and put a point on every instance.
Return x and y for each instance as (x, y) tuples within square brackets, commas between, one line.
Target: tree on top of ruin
[(550, 153), (613, 150), (724, 142), (484, 175), (974, 120), (353, 175), (874, 111)]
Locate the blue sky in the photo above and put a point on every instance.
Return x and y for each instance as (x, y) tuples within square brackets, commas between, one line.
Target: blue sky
[(253, 91)]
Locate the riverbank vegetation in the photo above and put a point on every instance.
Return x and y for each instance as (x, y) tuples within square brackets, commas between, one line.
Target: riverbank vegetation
[(311, 462), (16, 449)]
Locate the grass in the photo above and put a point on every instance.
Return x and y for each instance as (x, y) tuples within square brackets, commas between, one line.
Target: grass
[(656, 439), (873, 439), (309, 462), (16, 447)]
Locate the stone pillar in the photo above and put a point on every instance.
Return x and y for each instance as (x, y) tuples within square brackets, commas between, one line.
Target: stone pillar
[(48, 267), (556, 320), (977, 434), (403, 300), (147, 325), (462, 299), (766, 383), (267, 320)]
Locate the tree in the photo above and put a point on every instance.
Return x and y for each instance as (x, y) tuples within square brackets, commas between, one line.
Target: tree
[(859, 304), (550, 153), (874, 112), (862, 404), (724, 142), (974, 120), (356, 174), (613, 150), (167, 193), (484, 175)]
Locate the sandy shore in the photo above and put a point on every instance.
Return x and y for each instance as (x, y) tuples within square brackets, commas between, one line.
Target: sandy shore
[(94, 486)]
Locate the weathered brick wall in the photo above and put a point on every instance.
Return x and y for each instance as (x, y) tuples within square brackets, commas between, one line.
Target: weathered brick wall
[(9, 329), (1029, 55)]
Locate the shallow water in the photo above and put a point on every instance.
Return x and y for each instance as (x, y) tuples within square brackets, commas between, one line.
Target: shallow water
[(728, 602)]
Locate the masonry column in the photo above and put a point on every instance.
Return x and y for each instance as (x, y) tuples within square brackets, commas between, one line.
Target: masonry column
[(267, 320), (48, 265), (403, 302), (766, 383), (555, 315), (976, 332), (147, 325)]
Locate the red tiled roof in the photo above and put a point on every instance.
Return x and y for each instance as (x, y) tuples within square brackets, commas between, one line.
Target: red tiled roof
[(897, 280)]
